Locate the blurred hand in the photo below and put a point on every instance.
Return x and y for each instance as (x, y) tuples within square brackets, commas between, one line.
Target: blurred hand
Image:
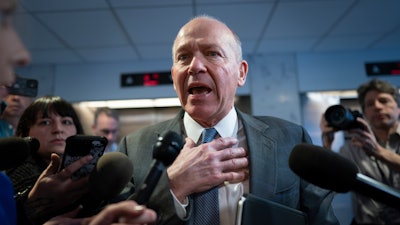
[(365, 138), (327, 133), (54, 190), (200, 168), (126, 212)]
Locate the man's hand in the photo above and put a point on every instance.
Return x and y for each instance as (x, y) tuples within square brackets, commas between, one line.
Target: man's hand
[(200, 168), (328, 133)]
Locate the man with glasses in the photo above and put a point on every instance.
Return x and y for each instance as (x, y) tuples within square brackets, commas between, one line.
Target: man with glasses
[(106, 123)]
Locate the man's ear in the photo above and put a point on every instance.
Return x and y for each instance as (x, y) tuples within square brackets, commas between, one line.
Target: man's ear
[(243, 73), (172, 75)]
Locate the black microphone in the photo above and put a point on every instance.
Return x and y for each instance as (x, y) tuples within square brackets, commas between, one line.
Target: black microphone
[(165, 152), (15, 150), (108, 178), (332, 171)]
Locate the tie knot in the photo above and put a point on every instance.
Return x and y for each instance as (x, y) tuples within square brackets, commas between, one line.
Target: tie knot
[(208, 134)]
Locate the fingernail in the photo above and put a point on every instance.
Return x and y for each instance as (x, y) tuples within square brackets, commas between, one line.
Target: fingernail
[(139, 208)]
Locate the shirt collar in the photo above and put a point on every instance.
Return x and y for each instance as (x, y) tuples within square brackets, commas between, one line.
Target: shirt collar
[(227, 127), (398, 129)]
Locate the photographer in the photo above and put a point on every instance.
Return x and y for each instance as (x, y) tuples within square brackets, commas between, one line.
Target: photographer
[(374, 147)]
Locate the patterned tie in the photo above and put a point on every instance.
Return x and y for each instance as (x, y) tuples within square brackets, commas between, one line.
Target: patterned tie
[(205, 206)]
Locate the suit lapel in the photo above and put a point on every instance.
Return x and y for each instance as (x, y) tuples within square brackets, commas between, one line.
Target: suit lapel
[(262, 155)]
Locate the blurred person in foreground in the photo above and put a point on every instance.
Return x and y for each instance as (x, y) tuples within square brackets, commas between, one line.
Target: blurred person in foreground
[(374, 147), (12, 54), (248, 155)]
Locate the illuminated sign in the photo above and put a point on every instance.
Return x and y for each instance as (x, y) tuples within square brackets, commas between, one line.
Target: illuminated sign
[(145, 79), (382, 68)]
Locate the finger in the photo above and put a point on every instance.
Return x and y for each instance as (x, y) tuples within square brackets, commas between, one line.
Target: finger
[(235, 164), (125, 212), (223, 143), (54, 165), (69, 170), (364, 124), (232, 153), (139, 214), (189, 143), (236, 177)]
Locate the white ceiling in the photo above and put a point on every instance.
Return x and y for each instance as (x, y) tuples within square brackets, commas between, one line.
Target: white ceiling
[(92, 31)]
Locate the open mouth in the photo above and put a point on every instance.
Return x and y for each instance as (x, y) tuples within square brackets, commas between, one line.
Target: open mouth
[(199, 90)]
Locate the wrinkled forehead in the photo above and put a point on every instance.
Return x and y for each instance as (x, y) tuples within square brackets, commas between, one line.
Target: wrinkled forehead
[(203, 29)]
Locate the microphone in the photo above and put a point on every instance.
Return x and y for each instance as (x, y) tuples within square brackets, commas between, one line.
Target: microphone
[(15, 150), (108, 178), (165, 152), (332, 171)]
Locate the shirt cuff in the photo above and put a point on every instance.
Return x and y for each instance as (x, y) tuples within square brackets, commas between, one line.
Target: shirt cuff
[(180, 208)]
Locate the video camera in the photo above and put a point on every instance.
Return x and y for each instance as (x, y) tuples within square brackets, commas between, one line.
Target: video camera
[(341, 118)]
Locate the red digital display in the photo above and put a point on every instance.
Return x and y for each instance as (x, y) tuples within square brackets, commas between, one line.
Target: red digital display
[(145, 79), (382, 68)]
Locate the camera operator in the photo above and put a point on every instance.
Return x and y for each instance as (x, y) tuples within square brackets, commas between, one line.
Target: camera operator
[(374, 147)]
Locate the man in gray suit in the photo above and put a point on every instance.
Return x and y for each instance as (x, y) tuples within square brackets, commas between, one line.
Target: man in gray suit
[(249, 154)]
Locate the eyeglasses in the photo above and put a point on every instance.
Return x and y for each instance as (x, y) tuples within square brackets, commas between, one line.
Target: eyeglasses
[(107, 131)]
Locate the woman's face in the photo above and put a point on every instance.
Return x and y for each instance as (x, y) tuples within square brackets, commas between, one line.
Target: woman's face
[(52, 131)]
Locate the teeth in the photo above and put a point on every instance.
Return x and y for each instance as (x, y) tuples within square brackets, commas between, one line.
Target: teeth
[(199, 90)]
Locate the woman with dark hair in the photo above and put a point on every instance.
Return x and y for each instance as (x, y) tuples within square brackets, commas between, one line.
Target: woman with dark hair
[(45, 106), (51, 120)]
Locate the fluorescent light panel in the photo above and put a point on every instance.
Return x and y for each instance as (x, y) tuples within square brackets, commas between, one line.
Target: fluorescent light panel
[(134, 103), (339, 94)]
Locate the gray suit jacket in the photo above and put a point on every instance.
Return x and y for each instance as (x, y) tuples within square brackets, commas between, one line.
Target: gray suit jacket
[(270, 141)]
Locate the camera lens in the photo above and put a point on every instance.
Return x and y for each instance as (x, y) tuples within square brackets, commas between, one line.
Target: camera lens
[(339, 117), (336, 114)]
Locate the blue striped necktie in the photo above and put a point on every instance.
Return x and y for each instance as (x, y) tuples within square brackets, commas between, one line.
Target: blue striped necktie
[(205, 206)]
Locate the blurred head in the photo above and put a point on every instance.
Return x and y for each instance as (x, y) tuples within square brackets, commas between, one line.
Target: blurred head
[(207, 69), (379, 102), (16, 104), (51, 120), (106, 123), (12, 51)]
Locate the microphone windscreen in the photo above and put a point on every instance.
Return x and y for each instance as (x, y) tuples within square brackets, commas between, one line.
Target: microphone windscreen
[(112, 172), (323, 167), (167, 147), (15, 150), (33, 144)]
